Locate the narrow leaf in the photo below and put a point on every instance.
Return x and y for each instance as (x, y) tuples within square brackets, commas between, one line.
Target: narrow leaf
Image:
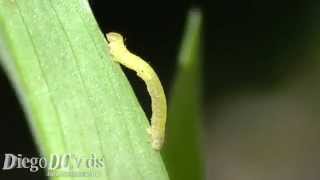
[(182, 152)]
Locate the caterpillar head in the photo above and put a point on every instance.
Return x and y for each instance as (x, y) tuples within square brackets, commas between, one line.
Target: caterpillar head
[(115, 43), (114, 37)]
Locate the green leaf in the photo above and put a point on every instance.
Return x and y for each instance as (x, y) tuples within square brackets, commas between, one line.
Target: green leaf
[(77, 100), (182, 151)]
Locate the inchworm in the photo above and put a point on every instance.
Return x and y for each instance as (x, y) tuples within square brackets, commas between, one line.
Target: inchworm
[(123, 56)]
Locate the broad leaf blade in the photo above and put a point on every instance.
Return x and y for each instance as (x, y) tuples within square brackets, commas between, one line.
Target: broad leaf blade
[(78, 101)]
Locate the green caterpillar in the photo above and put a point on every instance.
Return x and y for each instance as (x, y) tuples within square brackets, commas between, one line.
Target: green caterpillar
[(158, 99)]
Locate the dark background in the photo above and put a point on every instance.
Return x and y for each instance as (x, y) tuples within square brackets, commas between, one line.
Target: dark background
[(247, 45)]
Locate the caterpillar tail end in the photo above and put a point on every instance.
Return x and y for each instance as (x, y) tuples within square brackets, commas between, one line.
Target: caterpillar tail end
[(156, 139)]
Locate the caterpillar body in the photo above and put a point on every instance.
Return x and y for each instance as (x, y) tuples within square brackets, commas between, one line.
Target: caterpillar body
[(123, 56)]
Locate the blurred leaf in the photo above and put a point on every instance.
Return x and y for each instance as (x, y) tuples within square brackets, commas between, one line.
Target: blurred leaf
[(77, 100), (182, 151)]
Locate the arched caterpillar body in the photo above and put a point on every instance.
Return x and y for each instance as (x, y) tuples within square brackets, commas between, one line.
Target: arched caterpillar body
[(123, 56)]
